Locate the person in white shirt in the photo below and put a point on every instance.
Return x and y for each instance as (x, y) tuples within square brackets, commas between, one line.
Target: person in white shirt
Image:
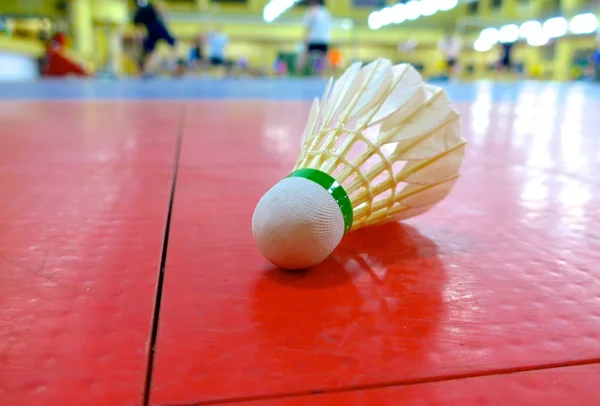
[(451, 45), (217, 43), (317, 37)]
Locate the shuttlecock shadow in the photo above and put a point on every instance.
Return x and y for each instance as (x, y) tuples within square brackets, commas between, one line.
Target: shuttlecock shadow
[(375, 302)]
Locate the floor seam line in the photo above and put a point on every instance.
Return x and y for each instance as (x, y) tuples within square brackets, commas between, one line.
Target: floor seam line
[(393, 384), (151, 348)]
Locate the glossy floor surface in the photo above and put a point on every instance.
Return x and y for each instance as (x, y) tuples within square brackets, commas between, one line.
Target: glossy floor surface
[(128, 273)]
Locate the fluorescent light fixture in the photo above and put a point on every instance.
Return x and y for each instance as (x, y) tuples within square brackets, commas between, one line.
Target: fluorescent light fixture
[(447, 4), (491, 35), (482, 45), (386, 15), (538, 39), (429, 7), (530, 28), (398, 13), (555, 27), (275, 8), (509, 33), (269, 13), (413, 10), (375, 20), (583, 23)]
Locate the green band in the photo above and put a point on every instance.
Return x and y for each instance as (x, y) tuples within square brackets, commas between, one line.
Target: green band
[(333, 187)]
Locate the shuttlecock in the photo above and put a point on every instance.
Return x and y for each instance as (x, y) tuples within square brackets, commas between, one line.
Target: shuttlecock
[(380, 145)]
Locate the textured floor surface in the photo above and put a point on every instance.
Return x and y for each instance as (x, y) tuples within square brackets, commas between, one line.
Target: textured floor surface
[(125, 227)]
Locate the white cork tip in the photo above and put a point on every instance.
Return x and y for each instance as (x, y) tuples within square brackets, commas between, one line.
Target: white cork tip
[(297, 224)]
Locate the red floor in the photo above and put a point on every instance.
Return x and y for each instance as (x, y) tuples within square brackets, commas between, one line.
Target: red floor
[(85, 189), (559, 386), (492, 298)]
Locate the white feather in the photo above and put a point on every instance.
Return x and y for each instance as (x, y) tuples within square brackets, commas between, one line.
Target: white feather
[(373, 81), (311, 123), (378, 119), (340, 94), (406, 95)]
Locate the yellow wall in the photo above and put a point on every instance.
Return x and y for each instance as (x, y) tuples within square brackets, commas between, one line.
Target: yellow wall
[(270, 32), (110, 11), (23, 46), (45, 8)]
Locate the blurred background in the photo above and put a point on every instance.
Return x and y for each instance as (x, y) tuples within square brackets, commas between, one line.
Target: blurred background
[(445, 39)]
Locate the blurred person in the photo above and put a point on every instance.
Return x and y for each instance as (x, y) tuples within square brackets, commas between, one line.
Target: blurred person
[(317, 35), (243, 65), (150, 15), (280, 67), (197, 52), (57, 62), (506, 65), (451, 45), (595, 58), (217, 43)]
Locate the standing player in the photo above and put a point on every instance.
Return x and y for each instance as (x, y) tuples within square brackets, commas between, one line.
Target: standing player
[(217, 43), (451, 46), (505, 64), (198, 52), (317, 36), (150, 15)]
